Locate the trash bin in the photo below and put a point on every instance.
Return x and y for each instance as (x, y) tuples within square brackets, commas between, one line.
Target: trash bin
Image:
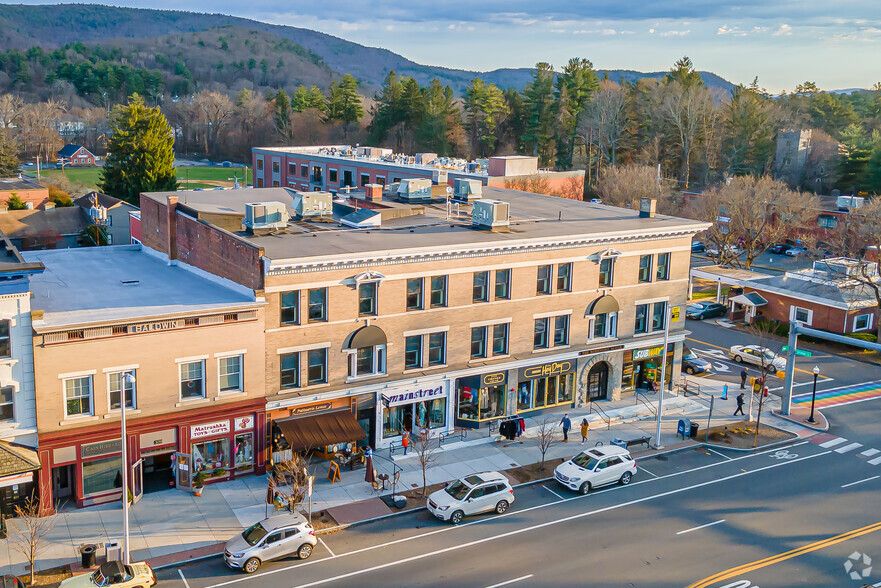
[(87, 555), (113, 550), (618, 442), (693, 432)]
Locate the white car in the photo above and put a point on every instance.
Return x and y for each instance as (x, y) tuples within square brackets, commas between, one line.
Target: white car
[(713, 250), (477, 493), (758, 356), (596, 467)]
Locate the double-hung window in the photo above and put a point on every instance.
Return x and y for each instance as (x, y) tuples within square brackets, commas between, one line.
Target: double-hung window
[(414, 294), (561, 330), (604, 325), (413, 352), (500, 339), (192, 379), (290, 370), (663, 269), (290, 308), (317, 369), (564, 277), (318, 305), (543, 279), (437, 348), (116, 382), (438, 291), (478, 342), (78, 396), (367, 361), (230, 374), (503, 284), (640, 324), (480, 290), (540, 337), (645, 268), (659, 316), (5, 340), (367, 299), (415, 346), (607, 269), (7, 403)]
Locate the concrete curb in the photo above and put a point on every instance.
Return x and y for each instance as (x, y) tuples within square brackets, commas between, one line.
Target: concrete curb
[(760, 447), (806, 424)]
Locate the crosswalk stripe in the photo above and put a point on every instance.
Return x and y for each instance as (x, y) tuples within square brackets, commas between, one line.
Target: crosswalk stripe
[(875, 461), (869, 452), (833, 442), (847, 448)]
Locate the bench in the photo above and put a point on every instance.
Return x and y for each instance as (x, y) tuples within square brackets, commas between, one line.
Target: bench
[(644, 440)]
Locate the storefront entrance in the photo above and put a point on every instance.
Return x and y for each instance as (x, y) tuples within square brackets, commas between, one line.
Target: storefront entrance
[(598, 381), (413, 408), (546, 386), (158, 472), (480, 398), (642, 368)]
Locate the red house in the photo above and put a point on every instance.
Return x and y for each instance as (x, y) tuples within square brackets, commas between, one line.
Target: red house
[(76, 155)]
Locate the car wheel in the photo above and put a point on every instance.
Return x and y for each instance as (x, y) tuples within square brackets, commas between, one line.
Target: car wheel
[(252, 565), (689, 370), (584, 488), (502, 507), (457, 517), (625, 478), (738, 359), (305, 551)]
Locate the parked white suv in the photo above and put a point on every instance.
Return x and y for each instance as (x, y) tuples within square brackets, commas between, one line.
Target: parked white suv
[(271, 538), (483, 492), (596, 467)]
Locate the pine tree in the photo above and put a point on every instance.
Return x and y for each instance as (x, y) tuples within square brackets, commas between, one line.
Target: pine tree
[(485, 109), (575, 85), (344, 103), (140, 153), (538, 99), (8, 157)]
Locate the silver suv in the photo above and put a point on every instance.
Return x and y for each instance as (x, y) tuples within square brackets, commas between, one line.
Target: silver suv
[(477, 493), (271, 538)]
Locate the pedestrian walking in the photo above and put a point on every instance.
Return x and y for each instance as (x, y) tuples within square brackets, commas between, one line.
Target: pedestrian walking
[(739, 404), (567, 424), (743, 375), (585, 427), (405, 441)]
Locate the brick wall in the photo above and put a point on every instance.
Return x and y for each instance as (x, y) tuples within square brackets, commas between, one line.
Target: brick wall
[(824, 317)]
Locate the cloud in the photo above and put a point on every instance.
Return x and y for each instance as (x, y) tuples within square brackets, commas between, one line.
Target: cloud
[(675, 33), (651, 31), (609, 32), (784, 31)]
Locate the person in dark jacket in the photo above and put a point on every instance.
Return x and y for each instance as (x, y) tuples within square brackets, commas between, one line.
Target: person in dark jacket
[(567, 424), (743, 374), (739, 404)]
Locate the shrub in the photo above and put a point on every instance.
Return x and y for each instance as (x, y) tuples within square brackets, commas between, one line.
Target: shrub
[(870, 337), (59, 196), (15, 203)]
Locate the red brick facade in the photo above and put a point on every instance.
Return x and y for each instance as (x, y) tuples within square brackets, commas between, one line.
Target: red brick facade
[(827, 318)]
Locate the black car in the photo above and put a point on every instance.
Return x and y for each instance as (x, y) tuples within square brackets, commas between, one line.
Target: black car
[(779, 248), (10, 581), (698, 247), (704, 310), (692, 364)]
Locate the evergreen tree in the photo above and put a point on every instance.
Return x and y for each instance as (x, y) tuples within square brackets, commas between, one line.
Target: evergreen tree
[(140, 153), (8, 156), (575, 85), (683, 72), (304, 98), (441, 119), (748, 145), (485, 109), (344, 103), (387, 108), (281, 116), (538, 104)]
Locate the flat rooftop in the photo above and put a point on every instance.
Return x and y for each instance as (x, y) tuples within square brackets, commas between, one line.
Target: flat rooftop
[(19, 184), (535, 218), (120, 283)]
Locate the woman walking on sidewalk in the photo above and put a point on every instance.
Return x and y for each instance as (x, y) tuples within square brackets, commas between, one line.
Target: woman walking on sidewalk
[(585, 427)]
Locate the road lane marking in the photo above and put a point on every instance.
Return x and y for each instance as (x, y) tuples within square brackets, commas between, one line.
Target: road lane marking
[(552, 492), (545, 524), (847, 448), (762, 563), (507, 514), (719, 454), (726, 349), (646, 471), (861, 481), (833, 442), (869, 452), (701, 527), (187, 584), (875, 461), (332, 554), (520, 579)]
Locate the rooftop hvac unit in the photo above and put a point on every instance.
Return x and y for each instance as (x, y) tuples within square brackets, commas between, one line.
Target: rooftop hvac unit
[(415, 190), (467, 190), (439, 177), (265, 215), (847, 203), (425, 158), (489, 214), (312, 204)]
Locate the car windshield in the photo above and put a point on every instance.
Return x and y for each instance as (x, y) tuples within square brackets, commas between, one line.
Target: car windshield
[(98, 578), (254, 534), (690, 356), (769, 354), (585, 461), (695, 306), (458, 489)]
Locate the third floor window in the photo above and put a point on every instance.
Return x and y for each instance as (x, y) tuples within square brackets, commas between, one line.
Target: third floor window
[(318, 305), (663, 271), (367, 299), (564, 277), (481, 287), (503, 284), (543, 279), (645, 268), (438, 291), (414, 294), (607, 267), (290, 308)]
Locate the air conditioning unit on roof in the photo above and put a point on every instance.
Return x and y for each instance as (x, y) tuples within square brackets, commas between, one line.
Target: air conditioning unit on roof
[(265, 215)]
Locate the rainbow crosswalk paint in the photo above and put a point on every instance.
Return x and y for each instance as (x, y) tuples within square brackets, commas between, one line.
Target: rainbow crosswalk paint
[(843, 395)]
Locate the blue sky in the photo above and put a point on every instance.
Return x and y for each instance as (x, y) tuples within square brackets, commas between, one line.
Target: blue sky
[(835, 43)]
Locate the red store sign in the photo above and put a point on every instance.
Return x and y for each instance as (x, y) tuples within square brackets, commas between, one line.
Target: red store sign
[(209, 429)]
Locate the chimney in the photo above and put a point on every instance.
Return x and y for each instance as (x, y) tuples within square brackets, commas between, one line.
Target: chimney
[(48, 205), (373, 192), (647, 207), (171, 227)]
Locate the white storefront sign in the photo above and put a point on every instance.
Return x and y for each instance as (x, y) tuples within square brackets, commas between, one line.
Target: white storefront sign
[(209, 429), (245, 423), (418, 395)]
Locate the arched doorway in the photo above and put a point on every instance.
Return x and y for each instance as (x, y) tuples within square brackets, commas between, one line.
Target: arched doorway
[(598, 381)]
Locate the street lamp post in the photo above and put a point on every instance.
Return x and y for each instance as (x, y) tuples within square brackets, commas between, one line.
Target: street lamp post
[(127, 378), (814, 394)]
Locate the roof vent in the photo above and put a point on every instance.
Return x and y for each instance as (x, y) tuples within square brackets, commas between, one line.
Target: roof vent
[(490, 214)]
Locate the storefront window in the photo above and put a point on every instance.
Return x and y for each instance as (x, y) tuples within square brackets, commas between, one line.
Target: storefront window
[(210, 456), (393, 421), (102, 475), (482, 404), (412, 417), (244, 451), (546, 392)]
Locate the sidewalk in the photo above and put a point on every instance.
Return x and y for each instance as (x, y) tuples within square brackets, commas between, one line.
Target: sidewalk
[(171, 525)]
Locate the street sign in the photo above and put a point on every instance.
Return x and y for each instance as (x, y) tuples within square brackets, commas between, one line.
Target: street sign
[(784, 348), (802, 353), (674, 312)]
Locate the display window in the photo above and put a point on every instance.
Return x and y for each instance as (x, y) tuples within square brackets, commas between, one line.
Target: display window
[(211, 456), (243, 451), (409, 417), (102, 475), (546, 392), (481, 404)]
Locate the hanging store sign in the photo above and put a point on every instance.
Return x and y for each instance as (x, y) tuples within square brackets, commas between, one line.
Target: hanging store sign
[(245, 423), (419, 395), (493, 379), (88, 450), (298, 410), (646, 353), (209, 429), (549, 369)]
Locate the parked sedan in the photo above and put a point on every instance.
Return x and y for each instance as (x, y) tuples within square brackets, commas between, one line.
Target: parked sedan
[(758, 356), (703, 310), (732, 249), (692, 364), (596, 467), (698, 247), (779, 248), (114, 574), (796, 251)]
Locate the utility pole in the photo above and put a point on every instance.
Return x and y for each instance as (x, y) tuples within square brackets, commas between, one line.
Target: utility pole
[(667, 316)]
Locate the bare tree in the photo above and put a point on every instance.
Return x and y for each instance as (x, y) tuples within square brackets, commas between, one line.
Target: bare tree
[(762, 331), (605, 119), (10, 109), (689, 110), (214, 110), (547, 436), (426, 452), (289, 481), (28, 531), (624, 185)]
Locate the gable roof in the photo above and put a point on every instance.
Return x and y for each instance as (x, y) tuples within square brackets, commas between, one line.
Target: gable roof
[(69, 149), (103, 200), (69, 220), (16, 459), (842, 294)]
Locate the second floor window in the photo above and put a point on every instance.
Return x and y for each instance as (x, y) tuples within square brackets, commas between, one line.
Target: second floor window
[(640, 324), (478, 342), (290, 308), (317, 368), (366, 361), (659, 316), (367, 299), (332, 176), (480, 291), (438, 291), (645, 268), (304, 170), (605, 325), (116, 381), (7, 403), (503, 284), (414, 294), (543, 280), (663, 271), (500, 339), (192, 379), (437, 348), (78, 396), (564, 277), (290, 370), (5, 340), (540, 336), (413, 352), (318, 305), (230, 373), (561, 330), (607, 268)]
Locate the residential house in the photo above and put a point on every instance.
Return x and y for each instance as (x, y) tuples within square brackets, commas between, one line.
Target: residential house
[(49, 227), (109, 212), (76, 155), (28, 191)]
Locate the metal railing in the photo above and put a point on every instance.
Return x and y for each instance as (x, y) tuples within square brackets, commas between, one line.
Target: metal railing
[(396, 469), (645, 402), (606, 418)]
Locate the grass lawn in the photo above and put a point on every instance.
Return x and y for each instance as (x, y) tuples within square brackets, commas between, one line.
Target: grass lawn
[(89, 176)]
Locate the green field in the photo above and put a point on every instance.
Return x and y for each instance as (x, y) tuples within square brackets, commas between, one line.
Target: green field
[(88, 177)]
